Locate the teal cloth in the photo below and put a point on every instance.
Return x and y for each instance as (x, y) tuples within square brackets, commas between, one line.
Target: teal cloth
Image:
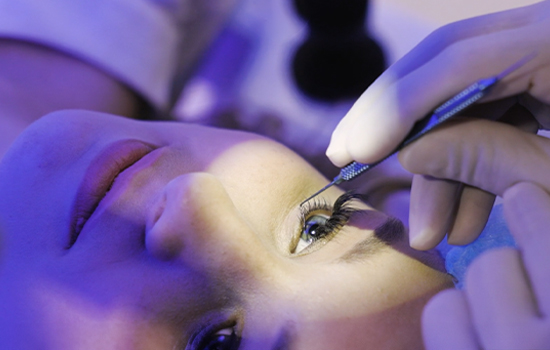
[(495, 234)]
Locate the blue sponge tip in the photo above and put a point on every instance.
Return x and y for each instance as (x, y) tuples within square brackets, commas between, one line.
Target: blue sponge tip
[(495, 234)]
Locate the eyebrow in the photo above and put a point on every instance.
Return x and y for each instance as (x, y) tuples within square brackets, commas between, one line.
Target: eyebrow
[(391, 231)]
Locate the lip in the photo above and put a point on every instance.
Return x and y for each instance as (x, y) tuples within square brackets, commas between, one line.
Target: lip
[(99, 177)]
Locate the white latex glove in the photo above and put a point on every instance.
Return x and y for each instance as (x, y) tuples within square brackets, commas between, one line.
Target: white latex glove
[(443, 64), (487, 157), (506, 300), (459, 168)]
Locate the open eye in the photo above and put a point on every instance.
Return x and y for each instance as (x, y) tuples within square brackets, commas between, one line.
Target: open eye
[(314, 228), (224, 339), (321, 221)]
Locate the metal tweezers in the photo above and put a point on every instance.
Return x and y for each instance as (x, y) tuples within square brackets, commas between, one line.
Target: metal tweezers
[(448, 109)]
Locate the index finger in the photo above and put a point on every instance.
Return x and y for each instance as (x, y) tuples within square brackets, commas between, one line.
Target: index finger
[(441, 66)]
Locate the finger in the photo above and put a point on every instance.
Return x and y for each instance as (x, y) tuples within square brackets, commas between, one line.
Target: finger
[(382, 117), (394, 113), (475, 204), (500, 300), (474, 208), (489, 155), (440, 207), (527, 212), (337, 150), (446, 323), (432, 210)]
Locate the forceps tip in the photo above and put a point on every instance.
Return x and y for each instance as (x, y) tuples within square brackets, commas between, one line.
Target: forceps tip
[(318, 192)]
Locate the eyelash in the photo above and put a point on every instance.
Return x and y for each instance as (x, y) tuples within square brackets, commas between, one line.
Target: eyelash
[(341, 212)]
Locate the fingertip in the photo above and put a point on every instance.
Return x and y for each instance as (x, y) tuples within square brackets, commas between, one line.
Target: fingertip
[(417, 237), (424, 239), (370, 130), (373, 137), (336, 150), (418, 241), (432, 210), (338, 155)]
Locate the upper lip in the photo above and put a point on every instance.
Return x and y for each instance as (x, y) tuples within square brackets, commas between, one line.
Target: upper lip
[(99, 177)]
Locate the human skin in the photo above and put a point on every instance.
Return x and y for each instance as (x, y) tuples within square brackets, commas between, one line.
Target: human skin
[(193, 238)]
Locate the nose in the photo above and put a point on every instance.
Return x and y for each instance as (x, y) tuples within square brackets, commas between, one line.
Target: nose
[(197, 223)]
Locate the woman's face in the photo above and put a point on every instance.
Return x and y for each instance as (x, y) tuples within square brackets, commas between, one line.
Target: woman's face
[(199, 241)]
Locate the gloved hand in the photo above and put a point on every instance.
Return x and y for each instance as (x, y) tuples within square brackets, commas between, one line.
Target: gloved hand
[(506, 300), (505, 303), (443, 64)]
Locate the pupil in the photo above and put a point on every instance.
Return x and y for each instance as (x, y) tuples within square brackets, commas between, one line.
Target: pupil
[(314, 226)]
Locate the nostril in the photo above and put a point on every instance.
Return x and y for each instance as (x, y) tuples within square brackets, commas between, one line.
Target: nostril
[(156, 210), (162, 242), (160, 238), (177, 215)]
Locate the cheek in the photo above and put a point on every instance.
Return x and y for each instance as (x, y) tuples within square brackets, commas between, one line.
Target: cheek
[(395, 328), (73, 322), (34, 222), (324, 317), (385, 281)]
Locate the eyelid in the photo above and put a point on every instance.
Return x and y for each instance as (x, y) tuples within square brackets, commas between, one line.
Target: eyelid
[(313, 207)]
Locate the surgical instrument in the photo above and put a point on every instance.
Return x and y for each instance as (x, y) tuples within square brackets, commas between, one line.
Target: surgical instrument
[(448, 109)]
